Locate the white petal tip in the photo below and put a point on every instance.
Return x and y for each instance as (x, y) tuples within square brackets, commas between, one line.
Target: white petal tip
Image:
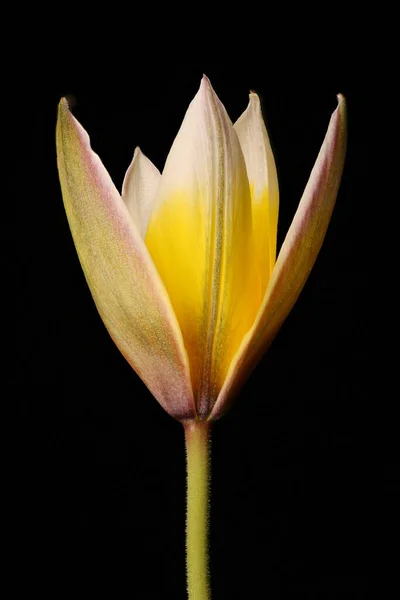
[(254, 102), (205, 86), (205, 91)]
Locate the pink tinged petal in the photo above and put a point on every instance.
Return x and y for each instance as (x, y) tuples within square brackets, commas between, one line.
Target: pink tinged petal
[(200, 238), (124, 283), (263, 179), (139, 189), (296, 258)]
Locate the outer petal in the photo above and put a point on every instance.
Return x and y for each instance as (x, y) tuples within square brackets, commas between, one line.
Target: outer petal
[(121, 276), (261, 171), (199, 236), (139, 189), (296, 258)]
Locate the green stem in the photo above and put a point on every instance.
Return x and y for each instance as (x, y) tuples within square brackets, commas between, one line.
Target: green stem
[(197, 438)]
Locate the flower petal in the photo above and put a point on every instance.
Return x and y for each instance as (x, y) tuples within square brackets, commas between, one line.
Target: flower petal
[(296, 258), (139, 189), (199, 236), (263, 179), (124, 283)]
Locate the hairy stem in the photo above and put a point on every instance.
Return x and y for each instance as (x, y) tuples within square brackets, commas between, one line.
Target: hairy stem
[(197, 438)]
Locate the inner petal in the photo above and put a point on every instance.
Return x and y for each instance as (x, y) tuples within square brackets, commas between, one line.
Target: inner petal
[(200, 238), (261, 171)]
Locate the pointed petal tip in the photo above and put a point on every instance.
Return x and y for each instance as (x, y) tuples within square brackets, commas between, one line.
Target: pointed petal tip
[(339, 115), (254, 101), (205, 85), (205, 91), (68, 102), (63, 104), (342, 104)]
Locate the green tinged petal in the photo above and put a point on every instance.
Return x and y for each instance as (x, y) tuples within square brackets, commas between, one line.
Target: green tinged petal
[(122, 278)]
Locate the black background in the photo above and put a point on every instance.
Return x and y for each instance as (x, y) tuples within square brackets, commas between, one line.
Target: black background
[(302, 474)]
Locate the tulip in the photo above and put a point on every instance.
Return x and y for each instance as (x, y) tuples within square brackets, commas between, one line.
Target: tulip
[(182, 266)]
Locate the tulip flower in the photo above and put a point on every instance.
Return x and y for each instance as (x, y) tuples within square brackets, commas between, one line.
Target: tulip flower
[(182, 265)]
